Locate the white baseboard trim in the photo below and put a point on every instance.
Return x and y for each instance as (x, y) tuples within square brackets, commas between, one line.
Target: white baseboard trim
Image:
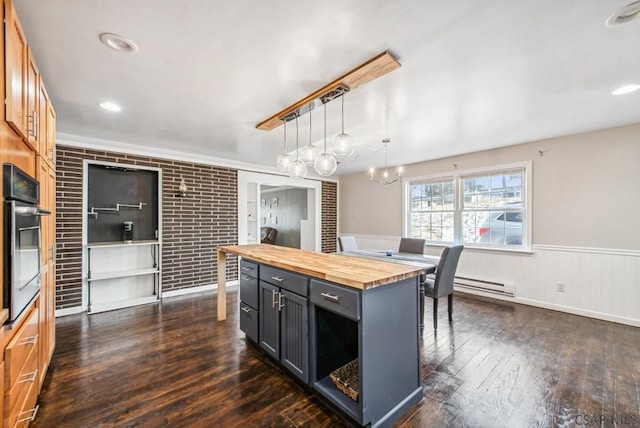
[(198, 289), (110, 306), (166, 294), (69, 311), (554, 307)]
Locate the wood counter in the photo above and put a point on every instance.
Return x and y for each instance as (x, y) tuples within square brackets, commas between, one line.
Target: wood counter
[(353, 272)]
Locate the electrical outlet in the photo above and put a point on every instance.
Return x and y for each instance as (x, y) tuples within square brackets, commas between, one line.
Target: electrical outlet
[(560, 287)]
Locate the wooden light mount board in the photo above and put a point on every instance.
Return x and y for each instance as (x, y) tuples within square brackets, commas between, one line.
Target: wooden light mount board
[(376, 67)]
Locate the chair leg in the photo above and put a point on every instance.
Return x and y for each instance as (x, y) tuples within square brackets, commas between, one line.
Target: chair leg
[(450, 297), (435, 314), (421, 308)]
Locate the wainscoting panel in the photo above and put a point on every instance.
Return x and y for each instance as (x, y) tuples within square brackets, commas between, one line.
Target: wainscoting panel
[(595, 282)]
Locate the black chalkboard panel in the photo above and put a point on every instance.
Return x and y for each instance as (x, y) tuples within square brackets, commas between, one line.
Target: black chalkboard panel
[(109, 186)]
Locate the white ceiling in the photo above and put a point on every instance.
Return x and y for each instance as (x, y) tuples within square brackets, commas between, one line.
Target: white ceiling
[(475, 74)]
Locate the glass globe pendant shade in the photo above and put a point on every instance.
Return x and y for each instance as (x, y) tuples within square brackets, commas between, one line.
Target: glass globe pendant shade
[(283, 162), (343, 145), (309, 154), (297, 169), (325, 164)]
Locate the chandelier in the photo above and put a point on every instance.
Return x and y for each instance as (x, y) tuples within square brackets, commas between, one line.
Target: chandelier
[(385, 179)]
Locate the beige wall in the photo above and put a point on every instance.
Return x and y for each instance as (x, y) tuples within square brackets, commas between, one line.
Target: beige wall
[(586, 190)]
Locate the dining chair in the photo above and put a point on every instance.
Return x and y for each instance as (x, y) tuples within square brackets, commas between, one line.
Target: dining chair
[(347, 243), (442, 284), (411, 245)]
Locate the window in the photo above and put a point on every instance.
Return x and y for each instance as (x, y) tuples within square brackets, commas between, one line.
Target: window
[(478, 208), (432, 210)]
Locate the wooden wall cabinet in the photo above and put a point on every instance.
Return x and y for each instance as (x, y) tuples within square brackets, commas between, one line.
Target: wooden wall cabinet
[(46, 125), (28, 140), (16, 53)]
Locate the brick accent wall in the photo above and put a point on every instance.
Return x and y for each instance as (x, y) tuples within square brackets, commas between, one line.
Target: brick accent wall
[(192, 227), (329, 216)]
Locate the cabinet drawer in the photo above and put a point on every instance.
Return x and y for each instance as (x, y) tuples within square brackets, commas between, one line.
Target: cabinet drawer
[(285, 279), (27, 378), (335, 298), (17, 351), (249, 268), (249, 321), (249, 290), (24, 414)]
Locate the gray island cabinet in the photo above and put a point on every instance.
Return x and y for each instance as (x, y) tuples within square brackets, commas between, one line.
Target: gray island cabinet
[(316, 313)]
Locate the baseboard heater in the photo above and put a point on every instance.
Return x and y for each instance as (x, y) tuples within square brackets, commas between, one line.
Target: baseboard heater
[(485, 286)]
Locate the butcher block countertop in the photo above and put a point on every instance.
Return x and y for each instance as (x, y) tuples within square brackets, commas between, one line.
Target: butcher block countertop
[(353, 272)]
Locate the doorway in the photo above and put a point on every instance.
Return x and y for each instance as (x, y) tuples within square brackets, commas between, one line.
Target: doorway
[(290, 206)]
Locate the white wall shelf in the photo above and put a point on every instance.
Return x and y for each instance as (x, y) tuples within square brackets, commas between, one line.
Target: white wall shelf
[(137, 278)]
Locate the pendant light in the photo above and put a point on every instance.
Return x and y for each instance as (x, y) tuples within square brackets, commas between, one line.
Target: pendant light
[(385, 180), (326, 163), (284, 159), (297, 168), (343, 144), (309, 153)]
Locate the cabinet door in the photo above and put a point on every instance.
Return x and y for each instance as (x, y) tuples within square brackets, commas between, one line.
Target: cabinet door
[(15, 70), (269, 319), (48, 116), (51, 254), (294, 331), (31, 97)]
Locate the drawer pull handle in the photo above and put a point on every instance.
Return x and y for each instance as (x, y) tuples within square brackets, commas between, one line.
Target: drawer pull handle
[(331, 297), (246, 269), (31, 340), (245, 309), (273, 298), (277, 278), (245, 277), (31, 378), (280, 304), (33, 415)]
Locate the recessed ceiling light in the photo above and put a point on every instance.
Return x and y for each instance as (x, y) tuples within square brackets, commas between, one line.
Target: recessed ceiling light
[(107, 105), (118, 43), (626, 89), (624, 15)]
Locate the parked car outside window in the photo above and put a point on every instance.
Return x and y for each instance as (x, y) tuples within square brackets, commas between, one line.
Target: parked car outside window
[(501, 228)]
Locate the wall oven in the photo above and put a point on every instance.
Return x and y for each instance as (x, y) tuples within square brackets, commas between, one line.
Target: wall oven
[(21, 240)]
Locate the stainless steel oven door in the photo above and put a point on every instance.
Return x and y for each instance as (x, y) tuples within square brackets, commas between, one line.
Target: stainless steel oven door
[(25, 247)]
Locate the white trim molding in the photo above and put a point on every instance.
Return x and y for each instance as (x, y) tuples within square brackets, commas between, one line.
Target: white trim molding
[(600, 283), (198, 289), (165, 295), (81, 142)]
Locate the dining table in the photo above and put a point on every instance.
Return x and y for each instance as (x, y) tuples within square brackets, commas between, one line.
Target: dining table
[(426, 262)]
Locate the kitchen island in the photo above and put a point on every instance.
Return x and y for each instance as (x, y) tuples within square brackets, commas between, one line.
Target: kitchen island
[(346, 327)]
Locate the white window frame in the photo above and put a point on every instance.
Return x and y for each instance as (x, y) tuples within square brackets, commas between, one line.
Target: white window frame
[(527, 223)]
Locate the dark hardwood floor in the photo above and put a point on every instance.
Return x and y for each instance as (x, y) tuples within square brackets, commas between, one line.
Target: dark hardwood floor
[(498, 364)]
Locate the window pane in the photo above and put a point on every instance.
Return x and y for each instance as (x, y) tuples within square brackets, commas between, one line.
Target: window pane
[(448, 226)]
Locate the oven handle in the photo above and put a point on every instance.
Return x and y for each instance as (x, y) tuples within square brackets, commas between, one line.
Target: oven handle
[(31, 211)]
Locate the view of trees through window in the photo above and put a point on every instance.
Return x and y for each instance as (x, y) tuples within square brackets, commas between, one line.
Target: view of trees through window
[(481, 208)]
